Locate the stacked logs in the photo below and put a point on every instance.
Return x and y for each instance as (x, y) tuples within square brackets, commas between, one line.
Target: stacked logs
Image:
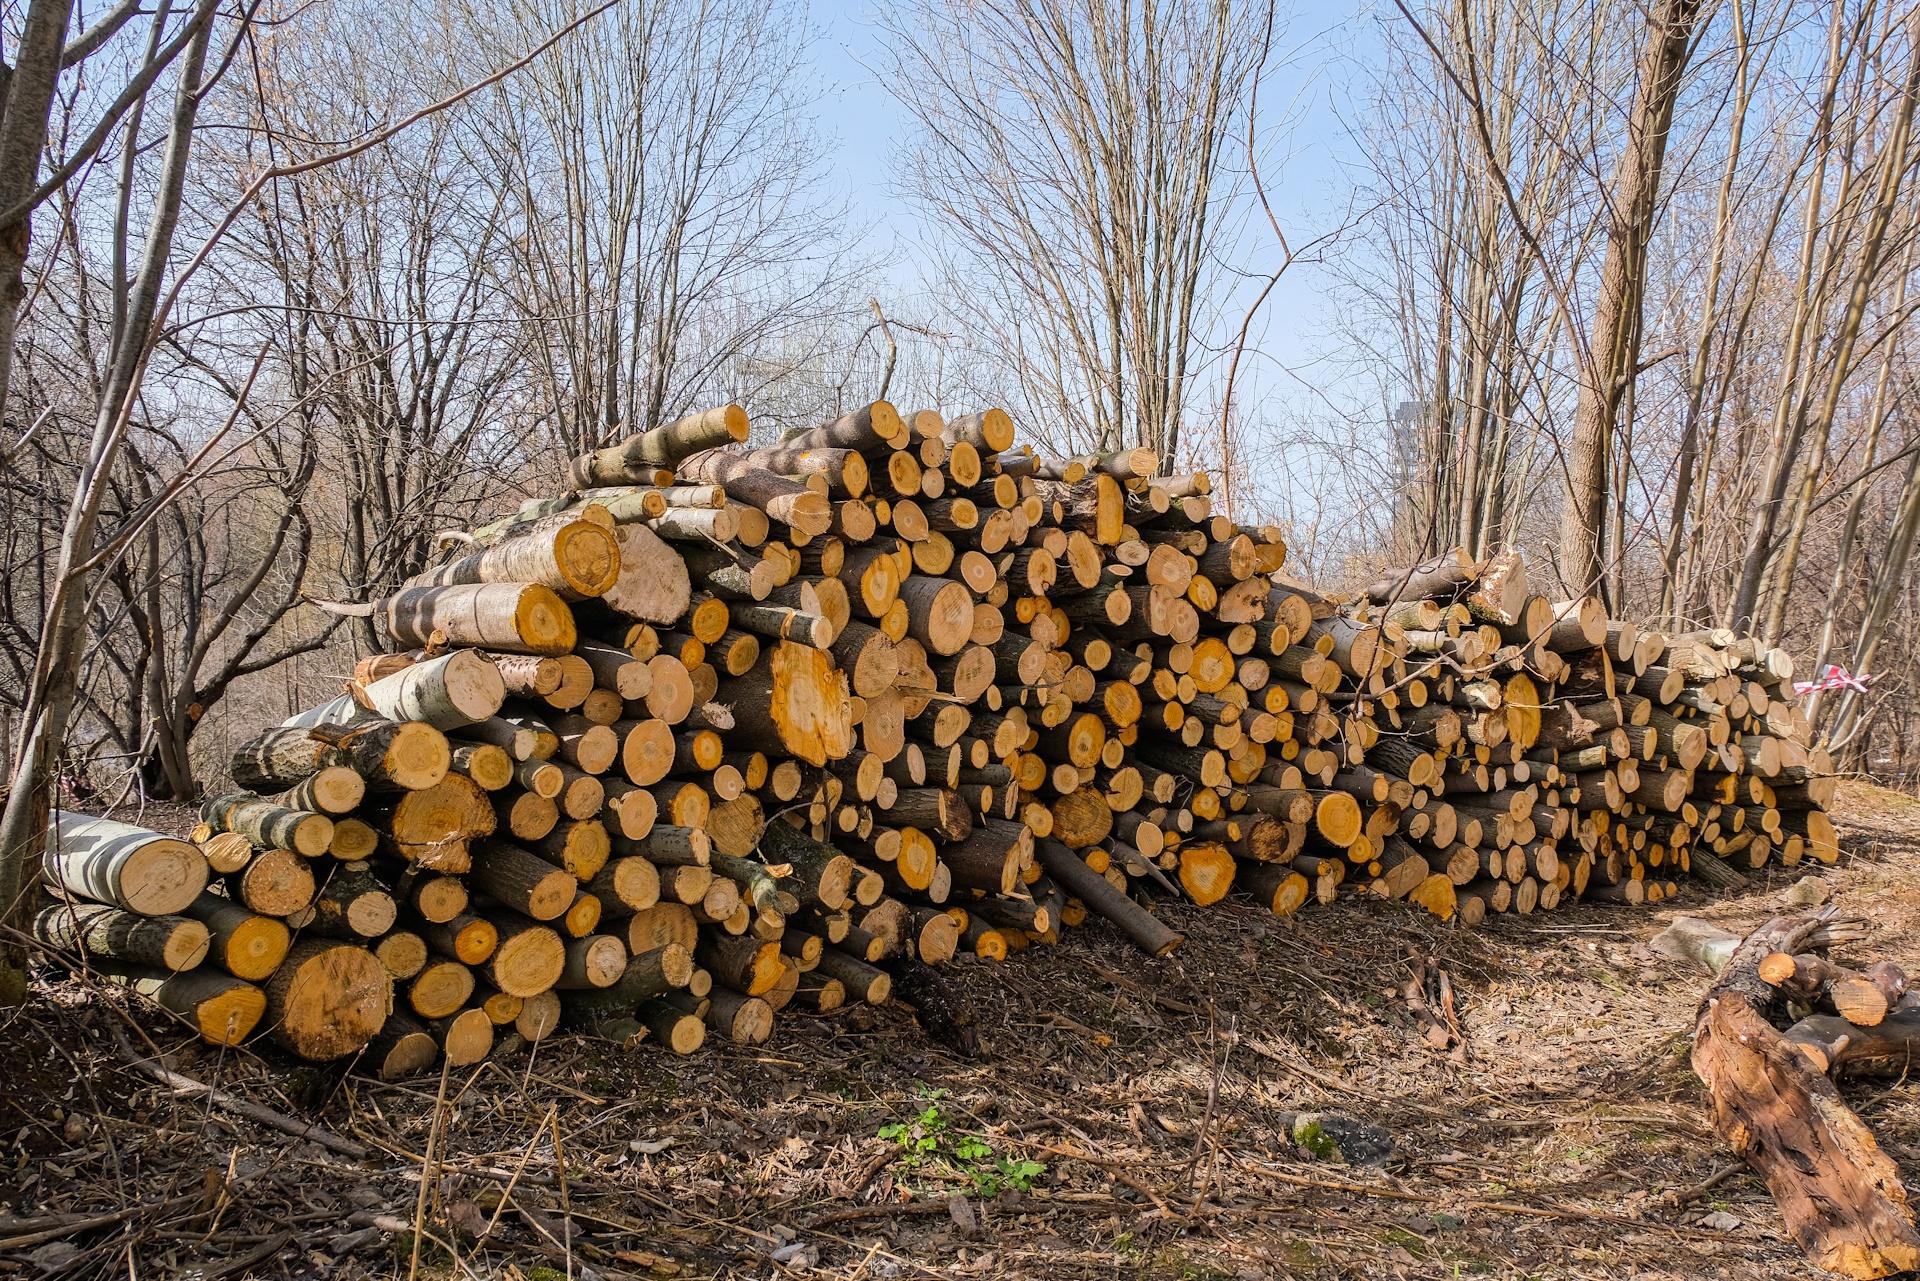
[(178, 924), (723, 729), (1551, 751)]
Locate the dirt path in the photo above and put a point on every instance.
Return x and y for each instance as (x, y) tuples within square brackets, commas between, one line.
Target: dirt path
[(1554, 1140)]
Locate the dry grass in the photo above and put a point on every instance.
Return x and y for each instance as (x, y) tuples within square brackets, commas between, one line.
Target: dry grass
[(1555, 1141)]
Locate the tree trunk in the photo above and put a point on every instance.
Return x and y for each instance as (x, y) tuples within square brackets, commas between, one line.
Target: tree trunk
[(1613, 345), (56, 674)]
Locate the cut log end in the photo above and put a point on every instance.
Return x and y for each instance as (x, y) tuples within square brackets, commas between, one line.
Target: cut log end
[(328, 1000)]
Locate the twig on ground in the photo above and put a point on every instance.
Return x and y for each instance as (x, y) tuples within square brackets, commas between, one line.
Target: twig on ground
[(181, 1084)]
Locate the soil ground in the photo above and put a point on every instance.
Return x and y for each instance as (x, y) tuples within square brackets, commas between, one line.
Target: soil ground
[(1562, 1136)]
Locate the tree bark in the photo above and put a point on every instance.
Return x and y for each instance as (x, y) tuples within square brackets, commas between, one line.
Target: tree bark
[(1613, 345)]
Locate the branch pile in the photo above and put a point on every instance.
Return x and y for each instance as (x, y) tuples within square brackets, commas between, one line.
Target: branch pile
[(723, 729)]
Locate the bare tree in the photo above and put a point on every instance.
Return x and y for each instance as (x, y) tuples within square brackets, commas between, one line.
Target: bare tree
[(1611, 348), (146, 284), (667, 210), (55, 679), (1072, 163)]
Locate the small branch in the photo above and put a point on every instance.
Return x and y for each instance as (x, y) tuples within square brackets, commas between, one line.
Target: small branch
[(266, 1116)]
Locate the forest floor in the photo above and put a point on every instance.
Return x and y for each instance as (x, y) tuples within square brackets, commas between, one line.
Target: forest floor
[(1120, 1119)]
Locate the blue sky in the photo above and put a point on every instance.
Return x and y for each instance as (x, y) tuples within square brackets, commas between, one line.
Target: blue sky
[(1304, 110)]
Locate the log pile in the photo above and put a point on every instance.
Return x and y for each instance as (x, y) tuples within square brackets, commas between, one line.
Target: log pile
[(1543, 750), (721, 730)]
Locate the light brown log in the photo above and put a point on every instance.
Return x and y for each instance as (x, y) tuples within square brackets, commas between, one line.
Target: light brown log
[(265, 823), (523, 881), (661, 925), (332, 790), (224, 1010), (275, 883), (528, 960), (626, 885), (243, 943), (520, 618), (353, 905), (863, 982), (746, 964), (125, 866), (794, 699), (402, 1048), (432, 826), (457, 689), (384, 754), (576, 558), (939, 613), (93, 929), (328, 999), (596, 961), (653, 585), (808, 513)]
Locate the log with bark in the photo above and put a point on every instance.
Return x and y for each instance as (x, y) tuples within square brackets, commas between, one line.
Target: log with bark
[(1840, 1196)]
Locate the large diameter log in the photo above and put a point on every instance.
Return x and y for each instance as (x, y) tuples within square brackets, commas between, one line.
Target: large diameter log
[(518, 618), (787, 501), (796, 700), (94, 929), (652, 585), (439, 819), (328, 999), (125, 866), (1071, 873), (576, 558), (636, 459), (989, 431)]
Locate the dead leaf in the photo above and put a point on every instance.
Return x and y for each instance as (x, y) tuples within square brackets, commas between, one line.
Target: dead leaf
[(965, 1221)]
